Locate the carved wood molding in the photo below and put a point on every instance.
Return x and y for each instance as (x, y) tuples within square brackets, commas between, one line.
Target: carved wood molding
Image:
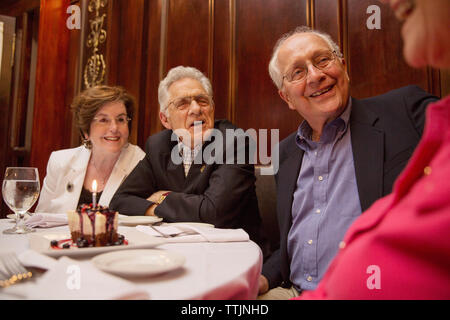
[(95, 68)]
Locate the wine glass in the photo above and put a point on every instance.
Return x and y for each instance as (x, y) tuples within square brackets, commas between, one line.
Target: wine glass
[(20, 191)]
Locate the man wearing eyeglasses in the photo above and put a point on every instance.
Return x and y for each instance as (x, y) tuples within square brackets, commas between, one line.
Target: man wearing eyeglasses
[(345, 155), (175, 181)]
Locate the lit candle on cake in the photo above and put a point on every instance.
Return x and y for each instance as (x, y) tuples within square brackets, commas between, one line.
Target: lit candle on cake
[(94, 193)]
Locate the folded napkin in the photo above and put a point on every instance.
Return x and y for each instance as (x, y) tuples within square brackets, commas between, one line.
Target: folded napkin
[(31, 258), (46, 220), (70, 279), (190, 233)]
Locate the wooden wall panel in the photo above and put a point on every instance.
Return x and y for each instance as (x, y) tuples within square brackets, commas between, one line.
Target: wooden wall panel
[(326, 18), (15, 8), (5, 99), (259, 24), (149, 109), (188, 27), (49, 125), (74, 82), (129, 43), (21, 80), (445, 82), (222, 51), (375, 59), (113, 33)]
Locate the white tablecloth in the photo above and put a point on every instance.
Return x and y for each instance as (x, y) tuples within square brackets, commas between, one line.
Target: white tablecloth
[(212, 270)]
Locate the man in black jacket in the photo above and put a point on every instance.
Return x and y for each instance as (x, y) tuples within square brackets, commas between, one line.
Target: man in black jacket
[(192, 172)]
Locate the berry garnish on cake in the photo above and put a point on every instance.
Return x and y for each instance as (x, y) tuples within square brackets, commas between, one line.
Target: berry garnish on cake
[(94, 226)]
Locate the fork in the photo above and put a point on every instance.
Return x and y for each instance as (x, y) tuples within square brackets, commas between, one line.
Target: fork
[(11, 270), (165, 235)]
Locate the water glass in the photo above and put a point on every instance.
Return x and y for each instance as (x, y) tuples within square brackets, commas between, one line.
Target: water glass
[(20, 191)]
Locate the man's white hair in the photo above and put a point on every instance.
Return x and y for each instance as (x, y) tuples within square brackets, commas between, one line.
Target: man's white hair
[(176, 74), (274, 70)]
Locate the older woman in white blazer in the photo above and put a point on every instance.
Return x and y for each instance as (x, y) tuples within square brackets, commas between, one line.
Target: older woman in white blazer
[(103, 115)]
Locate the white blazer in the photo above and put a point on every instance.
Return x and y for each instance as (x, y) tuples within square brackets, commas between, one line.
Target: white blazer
[(66, 170)]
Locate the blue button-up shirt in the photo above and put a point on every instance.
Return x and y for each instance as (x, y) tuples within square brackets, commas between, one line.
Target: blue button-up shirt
[(325, 203)]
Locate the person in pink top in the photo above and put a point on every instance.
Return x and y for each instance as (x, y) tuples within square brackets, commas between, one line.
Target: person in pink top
[(400, 247)]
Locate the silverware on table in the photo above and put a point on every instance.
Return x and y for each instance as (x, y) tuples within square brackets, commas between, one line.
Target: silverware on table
[(12, 270), (165, 235)]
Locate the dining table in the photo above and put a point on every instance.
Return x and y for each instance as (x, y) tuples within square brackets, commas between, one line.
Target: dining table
[(209, 271)]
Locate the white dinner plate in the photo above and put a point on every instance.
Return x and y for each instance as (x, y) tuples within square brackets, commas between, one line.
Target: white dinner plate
[(138, 220), (40, 242), (137, 263)]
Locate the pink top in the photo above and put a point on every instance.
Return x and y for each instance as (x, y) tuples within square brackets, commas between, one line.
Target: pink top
[(400, 247)]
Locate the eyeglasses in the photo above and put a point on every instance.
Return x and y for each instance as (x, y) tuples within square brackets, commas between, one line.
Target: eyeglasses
[(320, 62), (184, 102), (106, 121)]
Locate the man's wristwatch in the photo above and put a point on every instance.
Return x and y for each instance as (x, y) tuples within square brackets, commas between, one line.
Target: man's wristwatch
[(161, 199)]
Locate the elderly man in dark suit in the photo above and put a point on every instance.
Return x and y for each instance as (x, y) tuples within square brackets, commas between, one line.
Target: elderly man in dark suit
[(183, 177), (345, 155)]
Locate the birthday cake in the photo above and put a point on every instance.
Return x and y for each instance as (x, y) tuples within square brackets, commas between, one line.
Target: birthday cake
[(94, 226)]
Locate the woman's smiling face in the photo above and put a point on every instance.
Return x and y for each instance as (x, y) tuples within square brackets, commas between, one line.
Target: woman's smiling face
[(109, 129)]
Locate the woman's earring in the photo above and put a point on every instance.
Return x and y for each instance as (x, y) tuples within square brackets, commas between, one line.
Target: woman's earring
[(87, 143)]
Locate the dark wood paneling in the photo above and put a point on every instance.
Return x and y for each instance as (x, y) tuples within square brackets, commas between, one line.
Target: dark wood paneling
[(259, 24), (21, 79), (434, 82), (113, 30), (125, 50), (326, 18), (445, 83), (188, 35), (149, 109), (16, 8), (49, 126), (130, 45), (376, 61), (222, 44), (74, 81), (5, 99)]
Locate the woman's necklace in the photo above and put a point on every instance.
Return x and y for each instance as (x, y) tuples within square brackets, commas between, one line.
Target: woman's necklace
[(103, 178)]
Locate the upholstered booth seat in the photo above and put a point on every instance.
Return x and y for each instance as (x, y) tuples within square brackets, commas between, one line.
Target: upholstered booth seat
[(267, 202)]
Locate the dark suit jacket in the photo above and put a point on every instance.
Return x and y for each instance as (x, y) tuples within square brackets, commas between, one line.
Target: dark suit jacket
[(384, 133), (221, 194)]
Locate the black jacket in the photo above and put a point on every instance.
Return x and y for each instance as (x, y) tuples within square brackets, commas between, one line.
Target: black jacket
[(217, 193)]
